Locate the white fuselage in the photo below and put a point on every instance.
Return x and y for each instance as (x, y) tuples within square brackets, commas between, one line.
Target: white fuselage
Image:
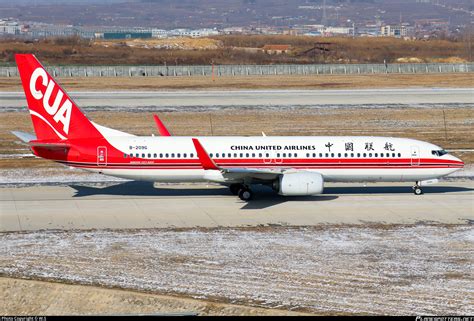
[(337, 159)]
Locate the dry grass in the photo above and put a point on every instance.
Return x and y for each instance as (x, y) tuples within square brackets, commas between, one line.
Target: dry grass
[(258, 82), (28, 297), (226, 51)]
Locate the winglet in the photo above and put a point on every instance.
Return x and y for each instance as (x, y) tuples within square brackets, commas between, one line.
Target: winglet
[(161, 127), (206, 161)]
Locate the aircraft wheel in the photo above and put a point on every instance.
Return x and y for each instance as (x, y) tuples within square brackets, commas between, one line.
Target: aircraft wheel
[(245, 194), (234, 188), (417, 190)]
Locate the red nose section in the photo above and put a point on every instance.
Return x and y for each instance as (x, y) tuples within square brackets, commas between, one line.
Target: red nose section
[(53, 112)]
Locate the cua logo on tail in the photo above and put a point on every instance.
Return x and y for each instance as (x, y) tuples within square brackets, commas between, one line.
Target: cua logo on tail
[(61, 114)]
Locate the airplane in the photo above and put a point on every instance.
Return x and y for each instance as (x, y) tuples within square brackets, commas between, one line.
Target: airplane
[(291, 165)]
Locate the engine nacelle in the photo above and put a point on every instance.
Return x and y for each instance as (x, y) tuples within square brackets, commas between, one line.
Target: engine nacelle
[(300, 184)]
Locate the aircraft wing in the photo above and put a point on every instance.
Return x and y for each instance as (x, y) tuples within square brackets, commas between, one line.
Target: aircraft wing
[(235, 173)]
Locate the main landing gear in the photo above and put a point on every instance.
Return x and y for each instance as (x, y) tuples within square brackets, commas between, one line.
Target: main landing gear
[(417, 189), (243, 191)]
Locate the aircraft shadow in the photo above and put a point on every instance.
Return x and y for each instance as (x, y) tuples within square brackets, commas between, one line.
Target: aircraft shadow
[(264, 196), (137, 188), (341, 190), (262, 201)]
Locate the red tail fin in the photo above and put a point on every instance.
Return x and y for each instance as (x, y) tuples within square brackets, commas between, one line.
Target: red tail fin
[(53, 112)]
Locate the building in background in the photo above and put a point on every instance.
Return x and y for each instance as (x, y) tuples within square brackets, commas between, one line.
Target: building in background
[(398, 31), (9, 27)]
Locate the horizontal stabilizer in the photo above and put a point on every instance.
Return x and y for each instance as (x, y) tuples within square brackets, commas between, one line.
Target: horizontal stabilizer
[(25, 137), (48, 144)]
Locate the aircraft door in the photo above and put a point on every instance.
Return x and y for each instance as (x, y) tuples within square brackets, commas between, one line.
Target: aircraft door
[(415, 156), (102, 156)]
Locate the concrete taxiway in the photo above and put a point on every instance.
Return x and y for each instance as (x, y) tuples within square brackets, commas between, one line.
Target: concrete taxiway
[(140, 205), (260, 97)]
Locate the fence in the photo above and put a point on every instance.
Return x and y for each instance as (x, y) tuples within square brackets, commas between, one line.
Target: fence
[(245, 70)]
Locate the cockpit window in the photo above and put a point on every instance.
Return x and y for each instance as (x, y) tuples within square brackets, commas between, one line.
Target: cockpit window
[(439, 152)]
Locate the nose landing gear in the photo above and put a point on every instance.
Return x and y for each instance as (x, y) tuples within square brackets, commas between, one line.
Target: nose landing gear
[(417, 189)]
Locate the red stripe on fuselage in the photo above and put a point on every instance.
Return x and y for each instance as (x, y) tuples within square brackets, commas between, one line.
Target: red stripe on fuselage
[(293, 163)]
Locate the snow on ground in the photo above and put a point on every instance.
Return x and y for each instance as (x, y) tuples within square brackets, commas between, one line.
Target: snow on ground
[(53, 175), (392, 270)]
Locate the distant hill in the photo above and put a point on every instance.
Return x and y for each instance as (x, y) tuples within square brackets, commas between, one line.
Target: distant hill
[(170, 14)]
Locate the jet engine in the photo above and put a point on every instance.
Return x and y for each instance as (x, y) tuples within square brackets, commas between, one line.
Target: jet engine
[(299, 184)]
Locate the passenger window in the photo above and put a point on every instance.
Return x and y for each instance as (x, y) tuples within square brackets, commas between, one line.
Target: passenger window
[(253, 154), (229, 155), (284, 154), (358, 154), (154, 156), (161, 155), (178, 155), (185, 155), (332, 154), (241, 155), (166, 155), (307, 155), (295, 155), (365, 155), (149, 155), (370, 154), (191, 155), (143, 155), (339, 155), (137, 155), (393, 154), (247, 155), (210, 154), (376, 155), (352, 154), (387, 154), (278, 154), (124, 155), (260, 155), (399, 155), (320, 155), (327, 155)]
